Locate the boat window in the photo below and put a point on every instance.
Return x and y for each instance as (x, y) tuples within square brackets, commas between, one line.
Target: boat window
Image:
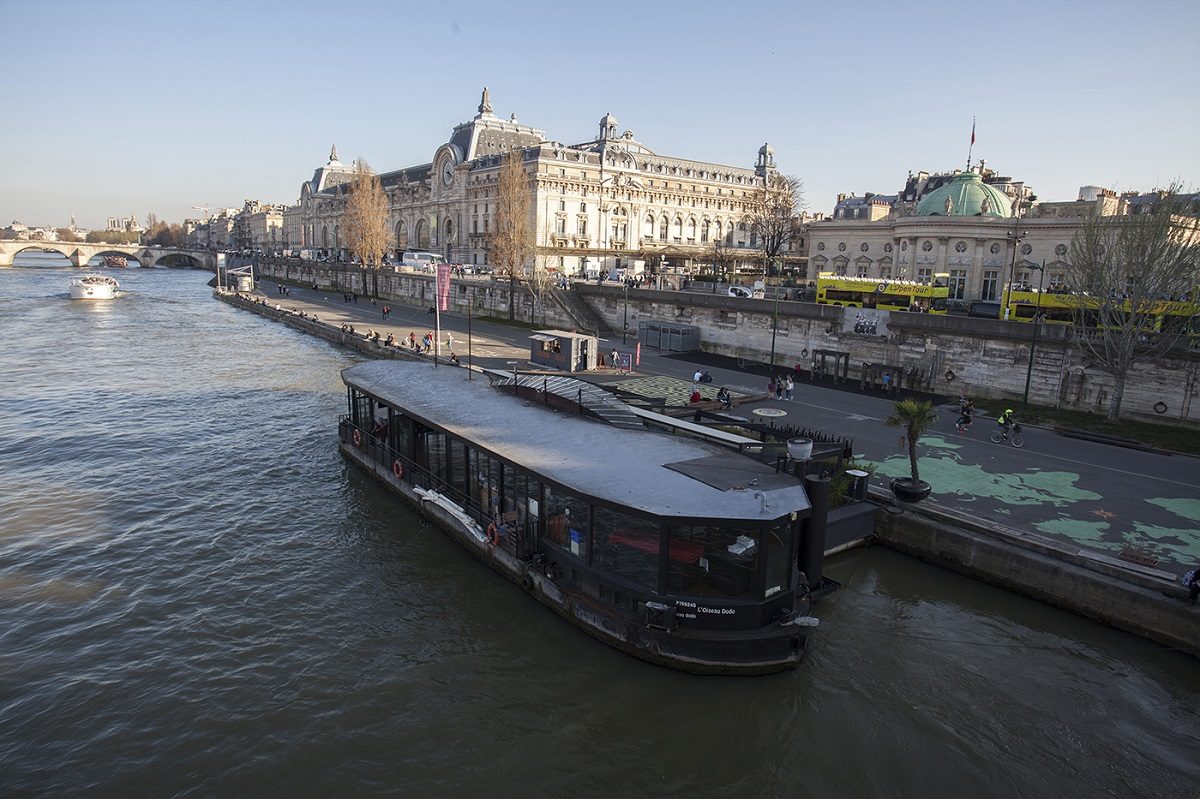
[(625, 546), (435, 453), (567, 521), (459, 453), (713, 561), (778, 552)]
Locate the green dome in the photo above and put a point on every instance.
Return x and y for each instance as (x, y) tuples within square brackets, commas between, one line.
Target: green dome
[(967, 193)]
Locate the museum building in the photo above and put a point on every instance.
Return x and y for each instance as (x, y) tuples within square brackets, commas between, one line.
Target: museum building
[(603, 204)]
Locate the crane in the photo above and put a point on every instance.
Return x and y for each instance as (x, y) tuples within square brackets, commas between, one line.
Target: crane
[(203, 208)]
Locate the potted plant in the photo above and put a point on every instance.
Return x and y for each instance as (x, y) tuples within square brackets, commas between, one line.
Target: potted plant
[(914, 417)]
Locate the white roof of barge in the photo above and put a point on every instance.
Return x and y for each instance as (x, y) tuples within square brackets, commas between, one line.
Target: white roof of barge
[(640, 469)]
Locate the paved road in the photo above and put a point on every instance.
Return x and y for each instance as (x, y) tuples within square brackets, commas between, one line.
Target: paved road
[(1096, 496)]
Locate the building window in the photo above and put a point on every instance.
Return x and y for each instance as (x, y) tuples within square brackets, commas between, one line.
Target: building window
[(990, 278), (662, 229), (1060, 250), (560, 225), (864, 246), (704, 232), (927, 246), (995, 248), (960, 246), (581, 226), (925, 275), (562, 205), (958, 283)]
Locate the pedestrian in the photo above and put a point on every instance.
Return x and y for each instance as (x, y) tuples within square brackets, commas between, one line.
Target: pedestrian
[(412, 340), (887, 382), (612, 358), (354, 297), (449, 341), (771, 388), (788, 387)]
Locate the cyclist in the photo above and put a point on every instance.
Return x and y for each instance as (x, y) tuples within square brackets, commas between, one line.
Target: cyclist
[(1006, 421), (965, 409)]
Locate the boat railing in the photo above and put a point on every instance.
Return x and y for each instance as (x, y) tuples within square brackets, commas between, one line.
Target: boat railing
[(518, 539)]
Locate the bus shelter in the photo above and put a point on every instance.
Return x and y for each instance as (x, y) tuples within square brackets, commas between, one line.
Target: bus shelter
[(571, 352)]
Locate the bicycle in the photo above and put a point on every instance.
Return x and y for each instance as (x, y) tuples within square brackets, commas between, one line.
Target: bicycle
[(1016, 439)]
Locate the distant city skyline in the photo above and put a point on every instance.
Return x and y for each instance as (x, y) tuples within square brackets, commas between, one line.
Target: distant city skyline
[(147, 108)]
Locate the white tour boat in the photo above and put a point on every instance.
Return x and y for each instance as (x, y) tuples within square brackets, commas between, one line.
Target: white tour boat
[(94, 287)]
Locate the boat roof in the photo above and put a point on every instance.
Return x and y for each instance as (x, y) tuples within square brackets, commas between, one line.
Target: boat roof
[(643, 470)]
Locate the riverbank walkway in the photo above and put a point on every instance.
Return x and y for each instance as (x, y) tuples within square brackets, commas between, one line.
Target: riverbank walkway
[(1140, 508)]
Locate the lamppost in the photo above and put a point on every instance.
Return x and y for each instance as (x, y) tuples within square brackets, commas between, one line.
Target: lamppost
[(625, 322), (1017, 237), (774, 321), (1037, 326)]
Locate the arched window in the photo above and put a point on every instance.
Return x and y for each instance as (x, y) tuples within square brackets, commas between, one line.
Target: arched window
[(691, 229), (648, 227), (324, 236), (401, 236), (422, 235), (704, 232), (336, 240), (662, 229)]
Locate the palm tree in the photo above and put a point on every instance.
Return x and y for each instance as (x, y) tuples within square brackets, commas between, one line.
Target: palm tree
[(915, 417)]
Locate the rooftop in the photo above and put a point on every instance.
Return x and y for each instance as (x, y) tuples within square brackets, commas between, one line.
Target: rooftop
[(641, 469)]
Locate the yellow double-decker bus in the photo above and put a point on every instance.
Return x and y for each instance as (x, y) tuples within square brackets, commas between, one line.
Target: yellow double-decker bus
[(884, 294), (1022, 304)]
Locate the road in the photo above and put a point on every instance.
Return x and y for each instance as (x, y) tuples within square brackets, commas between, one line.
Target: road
[(1096, 496)]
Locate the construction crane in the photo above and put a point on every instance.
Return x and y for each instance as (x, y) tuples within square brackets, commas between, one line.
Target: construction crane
[(203, 208)]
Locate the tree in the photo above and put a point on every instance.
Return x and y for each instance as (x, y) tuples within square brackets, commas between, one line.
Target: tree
[(772, 209), (723, 257), (511, 240), (1125, 273), (915, 417), (67, 234), (368, 233)]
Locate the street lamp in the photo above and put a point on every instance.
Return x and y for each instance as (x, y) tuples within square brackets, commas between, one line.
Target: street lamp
[(774, 321), (625, 322), (1037, 326), (1017, 237)]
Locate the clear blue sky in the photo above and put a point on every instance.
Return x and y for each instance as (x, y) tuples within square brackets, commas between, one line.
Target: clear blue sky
[(138, 107)]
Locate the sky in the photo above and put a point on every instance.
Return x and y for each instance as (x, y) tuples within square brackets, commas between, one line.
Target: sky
[(119, 108)]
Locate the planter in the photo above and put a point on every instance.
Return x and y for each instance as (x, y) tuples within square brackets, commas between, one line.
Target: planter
[(907, 489), (800, 449)]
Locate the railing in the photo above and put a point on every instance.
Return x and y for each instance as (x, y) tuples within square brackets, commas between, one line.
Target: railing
[(518, 539)]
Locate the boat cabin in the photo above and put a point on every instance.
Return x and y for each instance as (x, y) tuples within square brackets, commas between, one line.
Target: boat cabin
[(570, 352)]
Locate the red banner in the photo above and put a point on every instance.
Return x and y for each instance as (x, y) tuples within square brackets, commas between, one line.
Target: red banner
[(443, 287)]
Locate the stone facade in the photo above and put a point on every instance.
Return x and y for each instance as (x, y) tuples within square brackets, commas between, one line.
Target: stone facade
[(602, 204)]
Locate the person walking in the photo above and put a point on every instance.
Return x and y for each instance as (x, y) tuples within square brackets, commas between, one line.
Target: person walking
[(771, 388), (613, 359), (788, 387), (449, 341)]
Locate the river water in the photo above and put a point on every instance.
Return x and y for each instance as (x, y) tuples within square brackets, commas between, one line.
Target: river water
[(199, 597)]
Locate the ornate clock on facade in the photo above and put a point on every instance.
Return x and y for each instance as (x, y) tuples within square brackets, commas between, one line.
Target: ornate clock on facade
[(447, 173)]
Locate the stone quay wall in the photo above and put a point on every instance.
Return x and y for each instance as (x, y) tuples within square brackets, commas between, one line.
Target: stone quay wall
[(947, 355), (939, 353)]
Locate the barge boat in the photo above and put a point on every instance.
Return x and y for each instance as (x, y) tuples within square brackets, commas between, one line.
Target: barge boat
[(682, 546)]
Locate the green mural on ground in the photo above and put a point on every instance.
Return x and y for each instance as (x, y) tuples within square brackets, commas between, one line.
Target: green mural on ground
[(948, 475)]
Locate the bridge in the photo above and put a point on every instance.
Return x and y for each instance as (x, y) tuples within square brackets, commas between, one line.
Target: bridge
[(80, 253)]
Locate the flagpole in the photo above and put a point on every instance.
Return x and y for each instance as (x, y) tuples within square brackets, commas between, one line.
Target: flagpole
[(470, 302), (972, 145), (437, 326)]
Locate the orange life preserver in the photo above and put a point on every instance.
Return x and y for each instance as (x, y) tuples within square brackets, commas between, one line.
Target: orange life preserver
[(357, 437), (398, 468), (492, 535)]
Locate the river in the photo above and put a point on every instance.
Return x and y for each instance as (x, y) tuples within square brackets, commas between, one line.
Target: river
[(199, 597)]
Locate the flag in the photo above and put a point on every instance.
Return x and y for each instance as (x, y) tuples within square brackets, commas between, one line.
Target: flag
[(972, 131), (443, 287)]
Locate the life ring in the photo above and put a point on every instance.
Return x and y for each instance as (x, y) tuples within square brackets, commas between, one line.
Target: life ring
[(804, 352), (949, 375), (1160, 407), (357, 436), (493, 536), (398, 469)]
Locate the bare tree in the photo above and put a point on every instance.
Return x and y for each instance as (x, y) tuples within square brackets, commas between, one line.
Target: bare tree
[(773, 210), (1127, 275), (723, 257), (511, 241), (368, 234)]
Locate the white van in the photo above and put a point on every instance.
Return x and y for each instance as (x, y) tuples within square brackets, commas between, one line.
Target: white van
[(421, 261)]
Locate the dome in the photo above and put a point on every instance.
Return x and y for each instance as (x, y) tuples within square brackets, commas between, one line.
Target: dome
[(968, 195)]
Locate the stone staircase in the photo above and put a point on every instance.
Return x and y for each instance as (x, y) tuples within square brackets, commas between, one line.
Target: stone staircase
[(585, 317), (593, 399)]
